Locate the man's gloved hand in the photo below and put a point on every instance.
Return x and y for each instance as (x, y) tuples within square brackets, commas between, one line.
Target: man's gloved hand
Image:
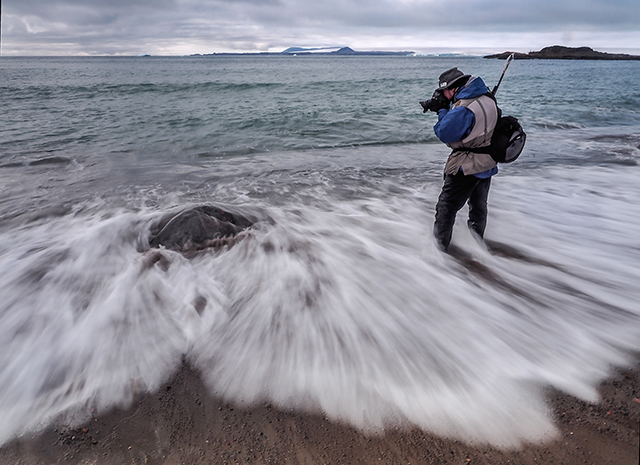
[(436, 103)]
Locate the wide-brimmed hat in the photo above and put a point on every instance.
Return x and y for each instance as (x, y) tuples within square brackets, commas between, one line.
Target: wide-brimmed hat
[(451, 77)]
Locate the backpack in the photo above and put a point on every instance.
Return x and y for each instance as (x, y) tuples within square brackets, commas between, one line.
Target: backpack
[(507, 141), (508, 137)]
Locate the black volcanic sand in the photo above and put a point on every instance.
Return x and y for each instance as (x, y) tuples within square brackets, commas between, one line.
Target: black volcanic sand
[(182, 424)]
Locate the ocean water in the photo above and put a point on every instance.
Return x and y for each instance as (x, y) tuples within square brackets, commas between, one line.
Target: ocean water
[(338, 300)]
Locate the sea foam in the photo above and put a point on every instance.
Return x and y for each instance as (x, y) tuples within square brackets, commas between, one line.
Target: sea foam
[(338, 305)]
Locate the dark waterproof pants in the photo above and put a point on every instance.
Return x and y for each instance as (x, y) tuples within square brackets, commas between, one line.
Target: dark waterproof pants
[(456, 191)]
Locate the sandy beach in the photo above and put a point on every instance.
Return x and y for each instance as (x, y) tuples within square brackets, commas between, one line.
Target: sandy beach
[(183, 424)]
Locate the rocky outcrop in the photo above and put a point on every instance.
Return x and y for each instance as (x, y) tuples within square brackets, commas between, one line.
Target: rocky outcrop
[(559, 52)]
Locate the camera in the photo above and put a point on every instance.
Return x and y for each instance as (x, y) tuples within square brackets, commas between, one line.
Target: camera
[(437, 102)]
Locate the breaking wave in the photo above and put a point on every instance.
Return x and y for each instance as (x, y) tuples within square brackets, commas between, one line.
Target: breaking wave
[(342, 306)]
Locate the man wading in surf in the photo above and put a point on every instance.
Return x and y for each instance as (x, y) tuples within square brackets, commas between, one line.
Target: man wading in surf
[(467, 115)]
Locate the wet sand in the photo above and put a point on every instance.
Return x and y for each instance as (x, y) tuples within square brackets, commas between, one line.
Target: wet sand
[(183, 424)]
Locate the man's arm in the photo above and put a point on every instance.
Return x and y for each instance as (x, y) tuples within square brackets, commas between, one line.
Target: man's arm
[(454, 125)]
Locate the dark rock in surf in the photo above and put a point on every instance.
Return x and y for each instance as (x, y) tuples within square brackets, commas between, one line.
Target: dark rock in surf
[(198, 228)]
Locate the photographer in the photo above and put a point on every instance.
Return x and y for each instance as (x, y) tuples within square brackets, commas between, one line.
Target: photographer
[(467, 115)]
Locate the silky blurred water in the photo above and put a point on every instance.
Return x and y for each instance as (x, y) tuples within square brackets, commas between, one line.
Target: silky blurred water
[(338, 300)]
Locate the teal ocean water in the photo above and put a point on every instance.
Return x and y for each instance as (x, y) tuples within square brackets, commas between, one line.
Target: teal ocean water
[(339, 301)]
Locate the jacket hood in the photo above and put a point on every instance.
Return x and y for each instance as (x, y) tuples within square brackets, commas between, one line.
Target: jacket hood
[(475, 87)]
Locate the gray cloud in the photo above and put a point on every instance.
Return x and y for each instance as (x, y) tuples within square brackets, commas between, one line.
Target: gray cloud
[(191, 26)]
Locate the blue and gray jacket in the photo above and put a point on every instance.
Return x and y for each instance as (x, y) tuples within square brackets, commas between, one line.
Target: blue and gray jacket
[(469, 124)]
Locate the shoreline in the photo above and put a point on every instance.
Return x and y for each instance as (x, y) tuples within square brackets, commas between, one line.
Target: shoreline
[(183, 424)]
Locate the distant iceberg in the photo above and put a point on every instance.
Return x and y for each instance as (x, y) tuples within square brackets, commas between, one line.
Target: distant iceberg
[(310, 50), (338, 51)]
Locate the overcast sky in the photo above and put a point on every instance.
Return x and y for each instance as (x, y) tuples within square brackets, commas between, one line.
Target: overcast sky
[(182, 27)]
